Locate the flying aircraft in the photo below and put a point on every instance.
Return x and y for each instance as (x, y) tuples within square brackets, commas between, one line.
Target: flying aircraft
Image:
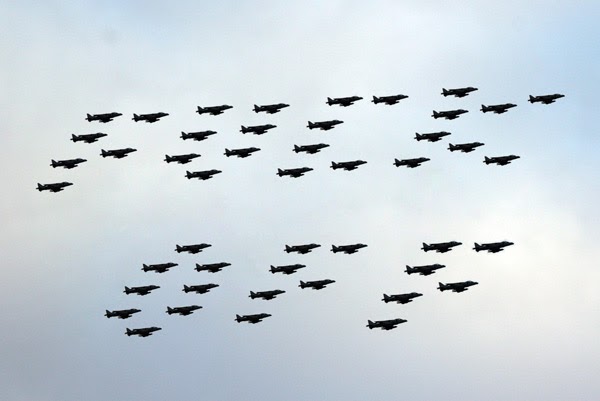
[(251, 318), (310, 149), (68, 164), (257, 129), (87, 138), (117, 153), (493, 247), (213, 110), (149, 118), (143, 290), (181, 159), (183, 310), (498, 108), (191, 248), (500, 160), (103, 118), (159, 268), (121, 314), (424, 270), (266, 295), (270, 108), (343, 101), (347, 249), (197, 136), (410, 163), (348, 166), (449, 114), (432, 136), (212, 267), (316, 285), (401, 298), (457, 287), (142, 332), (293, 172), (545, 99), (199, 289), (385, 324), (464, 147), (389, 100), (242, 152), (202, 175), (324, 125), (458, 92), (441, 247), (302, 249), (54, 187), (286, 269)]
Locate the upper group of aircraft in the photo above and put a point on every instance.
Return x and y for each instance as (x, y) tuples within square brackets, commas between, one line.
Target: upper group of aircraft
[(309, 149)]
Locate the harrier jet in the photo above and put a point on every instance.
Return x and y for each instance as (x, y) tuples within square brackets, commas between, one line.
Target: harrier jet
[(389, 100), (159, 268), (410, 163), (316, 285), (293, 172), (241, 153), (500, 160), (449, 114), (498, 108), (183, 310), (431, 137), (257, 129), (385, 324), (270, 108), (493, 247), (144, 290), (251, 318), (181, 159), (68, 164), (424, 270), (199, 289), (348, 166), (458, 92), (457, 287), (266, 295), (401, 298), (324, 125), (117, 153), (197, 136), (142, 332), (286, 269), (310, 149), (347, 249), (202, 175), (545, 99), (441, 247), (343, 101), (54, 187), (103, 118), (191, 248), (212, 267), (464, 147), (302, 249), (149, 118), (213, 110), (121, 314), (87, 138)]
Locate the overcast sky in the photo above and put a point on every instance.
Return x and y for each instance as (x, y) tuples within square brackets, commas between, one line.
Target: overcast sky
[(529, 330)]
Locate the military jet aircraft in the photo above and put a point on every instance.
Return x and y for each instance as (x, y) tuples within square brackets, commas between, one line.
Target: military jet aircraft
[(448, 114), (458, 92), (181, 159), (343, 101), (270, 108), (389, 100), (498, 108), (117, 153), (149, 118), (457, 287), (199, 289), (191, 248), (197, 136), (310, 149), (293, 172), (143, 290), (410, 163), (385, 324), (212, 267), (286, 269), (142, 332), (159, 268), (500, 160), (242, 152), (257, 129), (324, 125), (493, 247), (401, 298), (54, 187), (202, 175), (266, 295), (347, 249), (545, 99), (348, 166), (432, 136), (302, 249), (316, 285), (121, 314), (424, 270), (68, 164), (464, 147), (183, 310), (213, 110), (103, 118), (87, 138), (251, 318), (441, 247)]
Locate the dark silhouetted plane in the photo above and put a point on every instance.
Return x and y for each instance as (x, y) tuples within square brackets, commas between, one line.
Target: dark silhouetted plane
[(347, 249), (498, 108), (199, 289), (432, 136), (202, 175), (348, 166), (324, 125), (149, 118), (68, 164), (242, 152), (142, 332), (441, 247), (302, 249), (213, 110), (448, 114), (252, 318), (191, 248), (54, 187), (389, 100), (311, 149), (103, 118), (87, 138), (410, 163), (257, 129), (197, 136), (458, 92), (464, 147), (266, 295), (286, 269), (457, 287), (212, 267), (343, 101), (117, 153), (181, 159), (316, 285), (183, 310), (293, 172), (270, 108), (492, 247), (401, 298), (424, 270), (545, 99), (121, 314), (159, 268), (500, 160), (143, 290), (385, 324)]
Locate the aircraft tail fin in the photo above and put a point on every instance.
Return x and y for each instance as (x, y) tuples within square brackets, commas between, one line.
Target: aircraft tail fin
[(238, 318), (169, 310), (375, 99), (302, 284), (334, 165), (486, 160), (256, 109), (89, 117), (243, 130), (188, 175), (227, 152), (136, 117), (127, 290), (418, 136), (435, 114), (370, 324), (177, 248), (167, 158), (310, 124), (334, 248), (444, 92), (39, 187), (441, 286), (296, 148), (252, 294), (531, 99), (329, 100), (199, 109), (107, 313), (74, 137), (477, 247), (386, 298), (129, 332), (272, 269), (145, 267), (280, 173), (103, 153), (288, 248)]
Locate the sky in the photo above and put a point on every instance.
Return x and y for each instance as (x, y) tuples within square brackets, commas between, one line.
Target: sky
[(529, 330)]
